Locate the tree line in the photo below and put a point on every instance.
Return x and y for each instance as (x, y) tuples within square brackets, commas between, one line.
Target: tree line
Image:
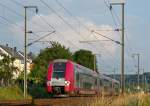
[(58, 51), (40, 63)]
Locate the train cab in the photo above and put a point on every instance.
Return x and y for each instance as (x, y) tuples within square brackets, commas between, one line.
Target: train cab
[(60, 78)]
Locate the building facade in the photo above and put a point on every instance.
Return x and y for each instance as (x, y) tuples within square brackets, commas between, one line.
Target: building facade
[(19, 58)]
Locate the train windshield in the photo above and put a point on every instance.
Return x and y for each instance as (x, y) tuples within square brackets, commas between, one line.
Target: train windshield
[(59, 70)]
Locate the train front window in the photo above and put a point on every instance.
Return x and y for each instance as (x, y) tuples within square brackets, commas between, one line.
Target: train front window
[(59, 70)]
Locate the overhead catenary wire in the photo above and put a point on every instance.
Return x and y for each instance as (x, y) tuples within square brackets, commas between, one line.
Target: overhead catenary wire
[(72, 15), (117, 22), (11, 10), (42, 17), (115, 17), (38, 15), (19, 3), (40, 38), (82, 23), (20, 15), (87, 29), (46, 22), (59, 16), (108, 6), (11, 22), (84, 26), (69, 25)]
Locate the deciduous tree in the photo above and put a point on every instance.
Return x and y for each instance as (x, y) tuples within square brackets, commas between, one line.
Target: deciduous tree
[(7, 70), (85, 58), (56, 51)]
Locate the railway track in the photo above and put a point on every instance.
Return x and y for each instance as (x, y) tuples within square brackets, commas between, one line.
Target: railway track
[(15, 102), (73, 101)]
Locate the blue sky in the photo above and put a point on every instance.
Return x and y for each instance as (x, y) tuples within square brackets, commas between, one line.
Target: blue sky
[(93, 14)]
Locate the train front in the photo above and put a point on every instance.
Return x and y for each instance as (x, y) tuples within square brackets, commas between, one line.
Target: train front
[(60, 77)]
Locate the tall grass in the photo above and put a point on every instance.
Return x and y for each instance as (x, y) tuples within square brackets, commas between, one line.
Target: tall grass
[(11, 93), (125, 100)]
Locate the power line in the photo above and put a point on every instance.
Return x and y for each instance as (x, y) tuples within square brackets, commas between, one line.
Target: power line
[(11, 22), (70, 26), (40, 38), (13, 1), (45, 21), (107, 37), (78, 20), (42, 18), (73, 16), (114, 20), (11, 10), (114, 14), (50, 25), (17, 3), (59, 16)]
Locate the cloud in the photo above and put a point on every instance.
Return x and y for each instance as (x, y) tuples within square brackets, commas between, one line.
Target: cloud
[(69, 33)]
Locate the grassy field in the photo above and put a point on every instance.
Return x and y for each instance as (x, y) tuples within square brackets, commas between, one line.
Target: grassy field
[(11, 93), (140, 99), (126, 100)]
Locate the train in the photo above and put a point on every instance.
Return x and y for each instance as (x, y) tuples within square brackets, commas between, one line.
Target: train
[(66, 78)]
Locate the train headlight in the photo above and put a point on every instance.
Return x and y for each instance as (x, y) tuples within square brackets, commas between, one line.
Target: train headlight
[(67, 83), (48, 83)]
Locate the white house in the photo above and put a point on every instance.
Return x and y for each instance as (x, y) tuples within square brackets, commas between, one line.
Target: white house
[(19, 58)]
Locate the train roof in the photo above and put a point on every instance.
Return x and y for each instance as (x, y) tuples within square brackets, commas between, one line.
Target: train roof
[(88, 71), (109, 78), (60, 60)]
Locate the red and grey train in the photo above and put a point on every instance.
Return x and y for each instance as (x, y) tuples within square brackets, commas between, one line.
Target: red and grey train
[(65, 77)]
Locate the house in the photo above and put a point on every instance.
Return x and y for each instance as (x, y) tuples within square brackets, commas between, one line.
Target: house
[(19, 58)]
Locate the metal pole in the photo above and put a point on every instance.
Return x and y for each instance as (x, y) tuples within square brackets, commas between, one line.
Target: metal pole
[(138, 70), (122, 45), (94, 62), (122, 53), (143, 81), (25, 54), (114, 72)]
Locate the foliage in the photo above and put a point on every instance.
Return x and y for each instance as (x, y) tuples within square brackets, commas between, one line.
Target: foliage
[(85, 58), (38, 91), (56, 51), (7, 70)]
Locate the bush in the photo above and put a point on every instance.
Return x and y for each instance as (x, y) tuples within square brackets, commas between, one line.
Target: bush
[(38, 91)]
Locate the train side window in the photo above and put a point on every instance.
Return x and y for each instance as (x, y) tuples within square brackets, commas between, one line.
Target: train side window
[(77, 76)]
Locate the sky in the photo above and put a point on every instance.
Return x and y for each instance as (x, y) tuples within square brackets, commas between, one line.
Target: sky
[(73, 22)]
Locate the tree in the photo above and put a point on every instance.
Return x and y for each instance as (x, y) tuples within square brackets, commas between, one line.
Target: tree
[(85, 58), (56, 51), (7, 70)]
